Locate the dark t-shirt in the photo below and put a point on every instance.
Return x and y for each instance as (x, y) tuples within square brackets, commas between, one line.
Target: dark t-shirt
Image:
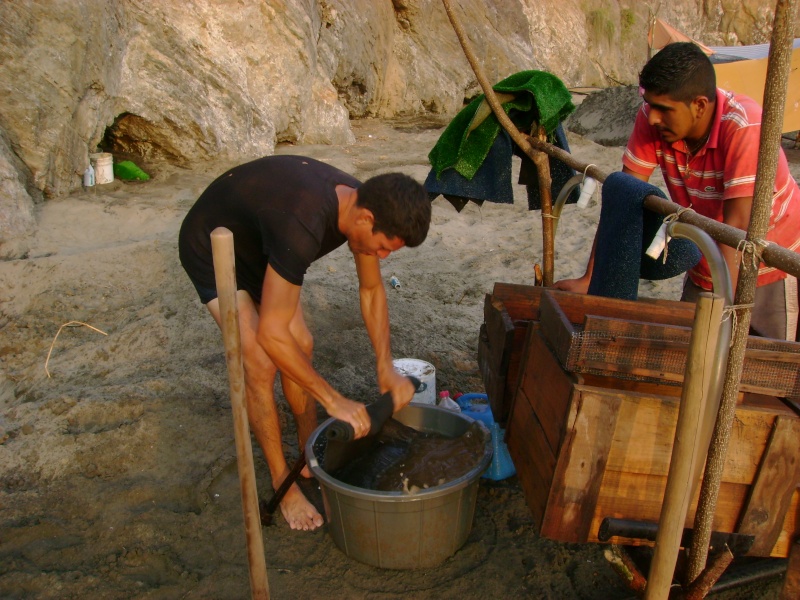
[(282, 211)]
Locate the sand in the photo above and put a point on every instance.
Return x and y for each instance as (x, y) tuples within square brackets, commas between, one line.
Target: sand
[(117, 464)]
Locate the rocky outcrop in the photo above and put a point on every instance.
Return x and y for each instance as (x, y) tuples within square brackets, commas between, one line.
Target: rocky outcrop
[(228, 80), (606, 117)]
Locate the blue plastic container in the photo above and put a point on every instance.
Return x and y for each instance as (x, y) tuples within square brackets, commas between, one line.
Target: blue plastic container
[(476, 406)]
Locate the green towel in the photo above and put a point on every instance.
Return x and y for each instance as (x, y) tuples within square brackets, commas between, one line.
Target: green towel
[(127, 170), (538, 94)]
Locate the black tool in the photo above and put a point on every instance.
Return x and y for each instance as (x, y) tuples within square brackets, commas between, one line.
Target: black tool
[(379, 412), (266, 509), (738, 543)]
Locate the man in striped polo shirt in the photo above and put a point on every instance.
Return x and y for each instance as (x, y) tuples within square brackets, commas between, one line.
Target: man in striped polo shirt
[(706, 142)]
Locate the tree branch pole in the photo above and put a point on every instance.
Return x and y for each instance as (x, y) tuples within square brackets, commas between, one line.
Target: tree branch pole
[(771, 124), (773, 255), (520, 140)]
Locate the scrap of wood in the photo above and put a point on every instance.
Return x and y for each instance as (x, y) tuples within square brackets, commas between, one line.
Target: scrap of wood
[(777, 478)]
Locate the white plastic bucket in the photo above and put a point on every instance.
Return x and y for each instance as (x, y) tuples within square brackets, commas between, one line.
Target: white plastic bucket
[(425, 372), (103, 167)]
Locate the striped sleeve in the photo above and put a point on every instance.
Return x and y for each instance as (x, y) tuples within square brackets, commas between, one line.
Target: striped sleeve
[(641, 153)]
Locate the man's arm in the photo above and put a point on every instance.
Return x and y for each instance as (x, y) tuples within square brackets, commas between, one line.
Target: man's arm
[(375, 312), (581, 284), (280, 300), (736, 213)]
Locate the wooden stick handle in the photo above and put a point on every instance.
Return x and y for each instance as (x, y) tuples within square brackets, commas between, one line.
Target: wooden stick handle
[(690, 445), (225, 274)]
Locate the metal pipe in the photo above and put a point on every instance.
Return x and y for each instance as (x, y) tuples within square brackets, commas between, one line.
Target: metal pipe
[(561, 200), (721, 280)]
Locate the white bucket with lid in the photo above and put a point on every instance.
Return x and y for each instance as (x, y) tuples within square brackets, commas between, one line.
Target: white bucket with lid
[(425, 372), (103, 167)]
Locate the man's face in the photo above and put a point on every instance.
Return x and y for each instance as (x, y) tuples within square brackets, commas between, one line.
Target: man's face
[(373, 244), (674, 120)]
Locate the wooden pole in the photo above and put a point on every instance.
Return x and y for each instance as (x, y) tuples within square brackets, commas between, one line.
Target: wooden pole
[(542, 162), (686, 451), (225, 274), (769, 144)]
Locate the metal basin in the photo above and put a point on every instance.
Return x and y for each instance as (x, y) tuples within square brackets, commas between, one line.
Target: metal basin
[(396, 530)]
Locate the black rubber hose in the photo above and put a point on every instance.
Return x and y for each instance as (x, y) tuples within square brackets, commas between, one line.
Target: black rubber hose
[(379, 412)]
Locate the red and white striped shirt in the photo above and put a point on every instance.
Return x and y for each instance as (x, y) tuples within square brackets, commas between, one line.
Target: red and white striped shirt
[(724, 168)]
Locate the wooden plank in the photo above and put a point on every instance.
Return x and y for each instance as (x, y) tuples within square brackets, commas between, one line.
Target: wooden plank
[(639, 497), (646, 427), (548, 389), (502, 408), (499, 330), (656, 351), (533, 460), (487, 365), (777, 479), (522, 302), (580, 468), (791, 528), (556, 327), (791, 582)]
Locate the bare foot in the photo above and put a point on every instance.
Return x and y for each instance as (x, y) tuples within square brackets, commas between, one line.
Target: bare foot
[(298, 511)]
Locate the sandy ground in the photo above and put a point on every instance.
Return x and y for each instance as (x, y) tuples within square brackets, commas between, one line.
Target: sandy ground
[(117, 469)]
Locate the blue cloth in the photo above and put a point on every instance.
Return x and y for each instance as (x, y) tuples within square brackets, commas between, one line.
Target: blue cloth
[(492, 181), (625, 231)]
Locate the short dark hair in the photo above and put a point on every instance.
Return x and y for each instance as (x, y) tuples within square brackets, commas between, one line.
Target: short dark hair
[(682, 71), (400, 205)]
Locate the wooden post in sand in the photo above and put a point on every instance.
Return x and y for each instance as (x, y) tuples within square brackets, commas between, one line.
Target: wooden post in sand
[(687, 450), (225, 274)]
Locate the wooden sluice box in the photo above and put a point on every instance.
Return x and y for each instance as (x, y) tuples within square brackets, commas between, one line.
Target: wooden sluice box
[(591, 437)]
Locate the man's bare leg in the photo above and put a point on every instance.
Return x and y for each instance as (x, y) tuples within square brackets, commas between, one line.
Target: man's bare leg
[(304, 407), (263, 416)]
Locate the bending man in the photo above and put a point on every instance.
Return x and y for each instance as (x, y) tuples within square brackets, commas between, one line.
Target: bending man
[(285, 212)]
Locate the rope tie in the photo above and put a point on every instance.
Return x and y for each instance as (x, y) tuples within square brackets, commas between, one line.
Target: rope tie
[(586, 169), (668, 220), (730, 312), (755, 248)]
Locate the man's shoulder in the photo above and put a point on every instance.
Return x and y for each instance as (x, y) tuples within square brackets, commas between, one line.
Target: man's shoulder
[(738, 110)]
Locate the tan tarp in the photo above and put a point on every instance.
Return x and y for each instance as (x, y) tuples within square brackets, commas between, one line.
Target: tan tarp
[(748, 76), (743, 76), (661, 34)]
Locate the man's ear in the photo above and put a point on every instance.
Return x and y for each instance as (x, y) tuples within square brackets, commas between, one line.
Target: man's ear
[(701, 105), (365, 217)]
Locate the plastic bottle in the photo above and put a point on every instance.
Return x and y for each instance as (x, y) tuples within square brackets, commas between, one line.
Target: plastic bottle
[(587, 191), (445, 401), (88, 176)]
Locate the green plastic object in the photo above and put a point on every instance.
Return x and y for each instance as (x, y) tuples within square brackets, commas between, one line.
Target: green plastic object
[(126, 170)]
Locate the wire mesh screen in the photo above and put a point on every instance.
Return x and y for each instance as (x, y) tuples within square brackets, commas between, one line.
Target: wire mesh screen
[(655, 352)]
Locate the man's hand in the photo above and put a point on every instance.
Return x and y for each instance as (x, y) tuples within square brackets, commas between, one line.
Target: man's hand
[(401, 387), (579, 285), (351, 412)]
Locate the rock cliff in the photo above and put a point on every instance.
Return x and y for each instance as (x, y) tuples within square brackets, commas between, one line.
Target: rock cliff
[(228, 79)]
